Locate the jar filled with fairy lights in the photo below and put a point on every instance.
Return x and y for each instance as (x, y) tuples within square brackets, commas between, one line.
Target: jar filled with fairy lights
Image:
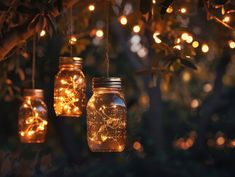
[(33, 117), (69, 88), (106, 116)]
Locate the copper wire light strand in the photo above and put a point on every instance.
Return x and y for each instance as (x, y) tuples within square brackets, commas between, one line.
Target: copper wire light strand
[(34, 60), (107, 38)]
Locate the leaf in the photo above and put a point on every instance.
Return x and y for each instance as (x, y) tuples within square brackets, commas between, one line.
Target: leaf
[(165, 5), (52, 23), (145, 6), (188, 64), (26, 10), (59, 4)]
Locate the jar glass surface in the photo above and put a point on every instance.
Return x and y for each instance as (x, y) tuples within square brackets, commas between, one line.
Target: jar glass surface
[(32, 120), (69, 91), (106, 120)]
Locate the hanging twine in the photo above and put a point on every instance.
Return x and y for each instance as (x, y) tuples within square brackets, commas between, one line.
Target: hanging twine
[(71, 29), (107, 38), (34, 60)]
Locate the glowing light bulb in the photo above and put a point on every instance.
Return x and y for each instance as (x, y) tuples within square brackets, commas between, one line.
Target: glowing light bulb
[(184, 36), (99, 33), (154, 1), (123, 20), (226, 19), (195, 44), (205, 48), (231, 44), (137, 146), (189, 39), (136, 28), (183, 10), (73, 40), (186, 76), (194, 103), (42, 33), (220, 140), (169, 10), (207, 88), (178, 47), (91, 7)]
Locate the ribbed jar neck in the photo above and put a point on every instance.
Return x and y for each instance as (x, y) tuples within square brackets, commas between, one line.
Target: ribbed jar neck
[(70, 66), (101, 90), (33, 93), (70, 62), (107, 83)]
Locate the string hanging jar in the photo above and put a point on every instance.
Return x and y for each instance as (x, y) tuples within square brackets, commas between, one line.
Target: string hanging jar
[(106, 116), (69, 88), (32, 117)]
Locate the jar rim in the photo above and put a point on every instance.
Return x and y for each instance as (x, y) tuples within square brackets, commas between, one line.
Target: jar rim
[(64, 60), (106, 82), (34, 92)]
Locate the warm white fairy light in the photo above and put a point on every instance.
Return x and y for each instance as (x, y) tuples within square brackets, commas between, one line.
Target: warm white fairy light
[(123, 20), (32, 120), (136, 28), (99, 33), (183, 10), (72, 40), (231, 44), (91, 7), (195, 44), (226, 19), (42, 33), (205, 48), (169, 10)]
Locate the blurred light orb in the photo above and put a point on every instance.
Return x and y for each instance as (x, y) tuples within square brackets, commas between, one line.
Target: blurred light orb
[(184, 36), (137, 146), (72, 40), (189, 39), (169, 10), (91, 7), (99, 33), (183, 10), (136, 28), (231, 44), (178, 47), (186, 76), (143, 52), (154, 1), (135, 39), (207, 88), (226, 19), (194, 103), (205, 48), (42, 33), (220, 140), (123, 20), (157, 40), (195, 44)]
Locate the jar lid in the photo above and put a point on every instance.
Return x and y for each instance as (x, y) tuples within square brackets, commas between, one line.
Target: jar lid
[(70, 60), (34, 92), (107, 82)]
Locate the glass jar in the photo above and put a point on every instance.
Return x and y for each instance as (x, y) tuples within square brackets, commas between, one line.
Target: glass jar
[(69, 88), (32, 117), (106, 116)]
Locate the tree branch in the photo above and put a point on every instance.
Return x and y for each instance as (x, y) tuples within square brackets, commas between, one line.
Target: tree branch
[(23, 32)]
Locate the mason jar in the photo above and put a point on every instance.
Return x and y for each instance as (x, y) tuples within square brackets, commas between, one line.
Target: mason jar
[(32, 117), (106, 116), (69, 88)]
